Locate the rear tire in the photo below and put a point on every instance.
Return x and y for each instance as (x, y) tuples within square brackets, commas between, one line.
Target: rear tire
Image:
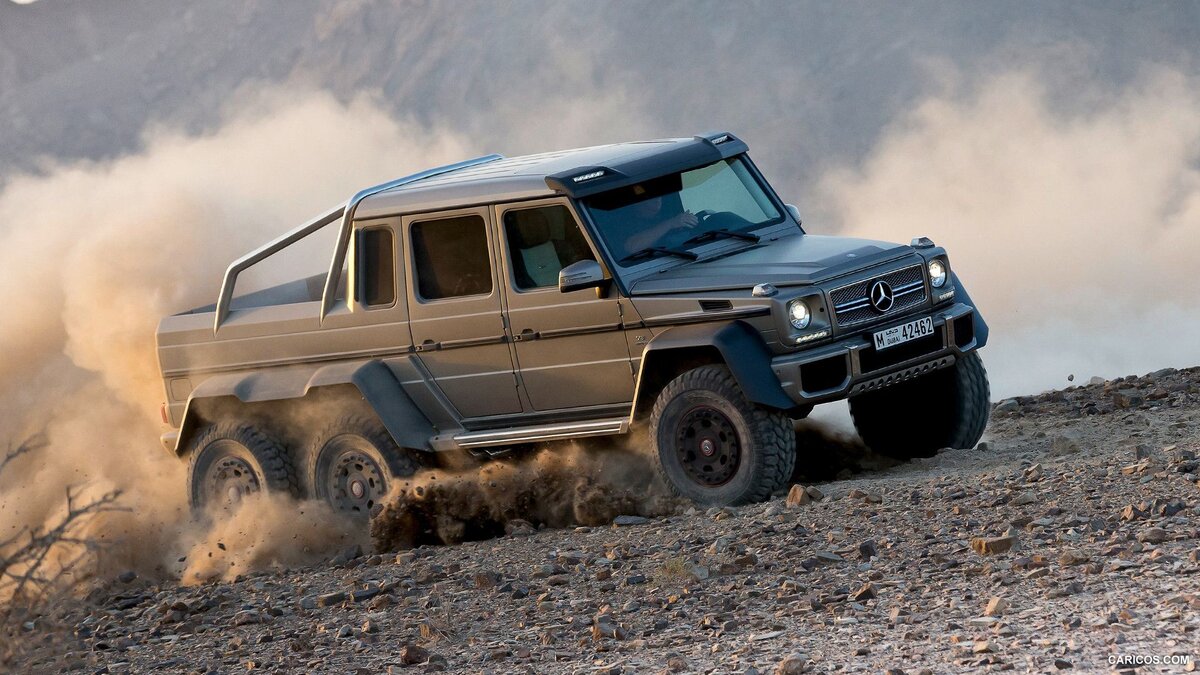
[(714, 446), (230, 462), (945, 409), (355, 463)]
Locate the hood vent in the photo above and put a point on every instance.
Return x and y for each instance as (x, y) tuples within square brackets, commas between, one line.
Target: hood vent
[(716, 305)]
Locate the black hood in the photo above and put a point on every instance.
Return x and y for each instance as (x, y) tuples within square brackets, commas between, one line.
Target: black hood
[(790, 261)]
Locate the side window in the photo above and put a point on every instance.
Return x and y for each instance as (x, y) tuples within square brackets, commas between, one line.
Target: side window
[(542, 241), (450, 257), (376, 267)]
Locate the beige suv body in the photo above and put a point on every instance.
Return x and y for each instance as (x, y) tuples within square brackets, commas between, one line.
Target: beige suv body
[(498, 303)]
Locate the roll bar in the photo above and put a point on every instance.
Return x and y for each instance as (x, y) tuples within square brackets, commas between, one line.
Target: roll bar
[(346, 214)]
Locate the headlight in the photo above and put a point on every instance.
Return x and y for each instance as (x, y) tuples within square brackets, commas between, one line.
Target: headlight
[(937, 273), (798, 314)]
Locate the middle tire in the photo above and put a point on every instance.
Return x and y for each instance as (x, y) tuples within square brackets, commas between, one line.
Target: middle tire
[(714, 446), (354, 464)]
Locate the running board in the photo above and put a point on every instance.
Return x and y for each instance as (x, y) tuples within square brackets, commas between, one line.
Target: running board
[(547, 432)]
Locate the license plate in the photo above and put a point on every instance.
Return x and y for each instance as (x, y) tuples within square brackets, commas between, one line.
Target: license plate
[(898, 335)]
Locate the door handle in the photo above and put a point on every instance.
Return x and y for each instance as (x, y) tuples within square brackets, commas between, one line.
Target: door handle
[(526, 335), (429, 346)]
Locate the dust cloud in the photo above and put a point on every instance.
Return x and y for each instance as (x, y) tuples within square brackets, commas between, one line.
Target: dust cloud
[(560, 485), (267, 532), (1076, 228), (95, 253)]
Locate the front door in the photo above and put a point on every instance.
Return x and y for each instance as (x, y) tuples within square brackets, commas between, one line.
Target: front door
[(571, 351), (455, 311)]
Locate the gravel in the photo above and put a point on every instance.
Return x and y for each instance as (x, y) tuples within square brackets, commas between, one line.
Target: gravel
[(1072, 535)]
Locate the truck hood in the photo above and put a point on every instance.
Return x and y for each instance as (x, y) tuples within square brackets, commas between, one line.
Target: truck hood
[(790, 261)]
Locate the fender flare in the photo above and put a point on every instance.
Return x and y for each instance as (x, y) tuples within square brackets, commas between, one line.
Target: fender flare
[(741, 348), (377, 383)]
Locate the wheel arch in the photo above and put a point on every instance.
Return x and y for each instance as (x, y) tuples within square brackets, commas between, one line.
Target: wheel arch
[(734, 344), (265, 394)]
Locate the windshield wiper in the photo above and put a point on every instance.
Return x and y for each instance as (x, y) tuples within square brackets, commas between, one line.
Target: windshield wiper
[(656, 251), (713, 234)]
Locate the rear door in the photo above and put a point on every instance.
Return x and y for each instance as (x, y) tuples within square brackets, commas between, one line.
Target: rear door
[(455, 310), (570, 348)]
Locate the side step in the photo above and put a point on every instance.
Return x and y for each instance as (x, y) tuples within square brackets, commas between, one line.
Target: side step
[(546, 432)]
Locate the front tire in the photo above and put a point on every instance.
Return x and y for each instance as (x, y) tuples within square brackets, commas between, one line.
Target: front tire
[(714, 446), (355, 463), (231, 462), (946, 409)]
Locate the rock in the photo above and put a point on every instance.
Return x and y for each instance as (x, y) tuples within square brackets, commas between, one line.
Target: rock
[(486, 579), (813, 492), (1062, 664), (1128, 398), (1142, 451), (1131, 512), (127, 576), (1008, 405), (604, 626), (720, 545), (798, 496), (411, 655), (792, 664), (828, 556), (1153, 535), (630, 520), (246, 617), (1024, 499), (992, 545), (867, 550), (1096, 381), (676, 663), (330, 599), (995, 606), (982, 647), (866, 592), (1072, 557)]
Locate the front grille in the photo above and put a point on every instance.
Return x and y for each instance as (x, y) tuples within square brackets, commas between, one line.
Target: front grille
[(851, 306)]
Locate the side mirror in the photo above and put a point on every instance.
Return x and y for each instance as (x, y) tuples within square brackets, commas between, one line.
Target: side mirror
[(580, 275), (791, 208)]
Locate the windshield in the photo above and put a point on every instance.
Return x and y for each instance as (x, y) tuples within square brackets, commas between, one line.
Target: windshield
[(671, 214)]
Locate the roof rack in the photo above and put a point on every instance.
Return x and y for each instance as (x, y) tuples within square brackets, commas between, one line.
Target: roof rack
[(346, 214)]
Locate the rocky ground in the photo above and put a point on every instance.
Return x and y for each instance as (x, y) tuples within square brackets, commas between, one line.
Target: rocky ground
[(1069, 537)]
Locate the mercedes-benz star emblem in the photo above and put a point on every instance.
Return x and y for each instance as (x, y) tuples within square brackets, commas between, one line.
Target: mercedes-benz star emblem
[(882, 296)]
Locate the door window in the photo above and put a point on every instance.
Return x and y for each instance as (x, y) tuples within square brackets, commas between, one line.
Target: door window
[(542, 241), (450, 258)]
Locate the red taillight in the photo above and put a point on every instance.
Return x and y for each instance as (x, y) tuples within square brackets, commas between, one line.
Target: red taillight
[(162, 410)]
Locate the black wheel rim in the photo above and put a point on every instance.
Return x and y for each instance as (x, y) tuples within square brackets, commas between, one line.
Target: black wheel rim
[(706, 444), (354, 482), (230, 478)]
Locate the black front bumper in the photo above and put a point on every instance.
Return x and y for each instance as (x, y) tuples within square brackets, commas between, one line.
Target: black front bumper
[(851, 365)]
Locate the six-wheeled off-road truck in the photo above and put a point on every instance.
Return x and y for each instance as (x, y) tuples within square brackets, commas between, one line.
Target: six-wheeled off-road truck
[(501, 303)]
